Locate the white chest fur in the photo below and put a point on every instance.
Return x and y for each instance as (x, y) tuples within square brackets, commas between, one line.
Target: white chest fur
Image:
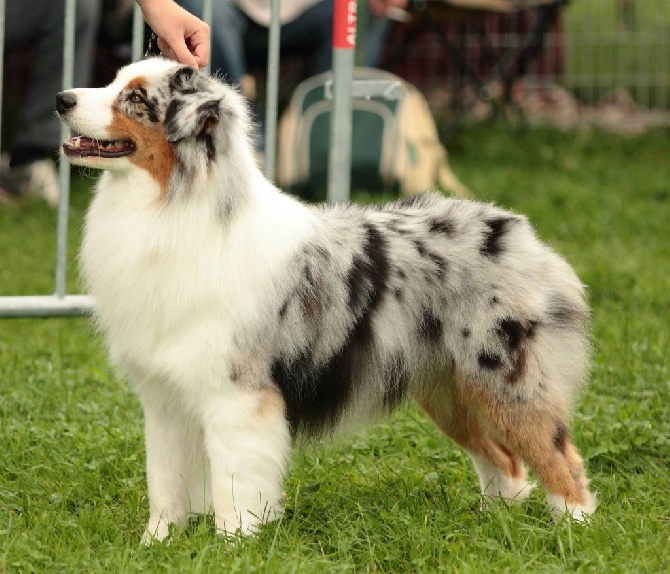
[(176, 284)]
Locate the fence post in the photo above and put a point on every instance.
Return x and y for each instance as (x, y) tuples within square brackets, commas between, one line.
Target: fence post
[(64, 166), (137, 46), (272, 87), (207, 18), (344, 44), (2, 57)]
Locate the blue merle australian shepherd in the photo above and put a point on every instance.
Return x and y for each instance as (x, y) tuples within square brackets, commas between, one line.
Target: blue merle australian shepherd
[(246, 319)]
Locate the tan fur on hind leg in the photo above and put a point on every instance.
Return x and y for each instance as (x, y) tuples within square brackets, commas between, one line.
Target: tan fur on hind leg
[(539, 434), (501, 472)]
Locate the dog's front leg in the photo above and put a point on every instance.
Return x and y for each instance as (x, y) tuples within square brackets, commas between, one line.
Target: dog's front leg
[(247, 440), (177, 470)]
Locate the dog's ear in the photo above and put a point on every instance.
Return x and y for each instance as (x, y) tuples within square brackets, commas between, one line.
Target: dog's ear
[(194, 108), (183, 80)]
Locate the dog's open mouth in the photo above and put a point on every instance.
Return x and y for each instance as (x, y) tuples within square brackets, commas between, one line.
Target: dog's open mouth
[(82, 146)]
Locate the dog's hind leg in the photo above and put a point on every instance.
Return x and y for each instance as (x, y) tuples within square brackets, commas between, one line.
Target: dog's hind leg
[(501, 472), (539, 435), (248, 441)]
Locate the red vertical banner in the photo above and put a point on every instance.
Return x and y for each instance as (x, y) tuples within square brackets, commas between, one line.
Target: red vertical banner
[(344, 24)]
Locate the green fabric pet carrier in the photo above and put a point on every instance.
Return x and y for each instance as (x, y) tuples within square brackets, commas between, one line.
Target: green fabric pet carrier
[(395, 144)]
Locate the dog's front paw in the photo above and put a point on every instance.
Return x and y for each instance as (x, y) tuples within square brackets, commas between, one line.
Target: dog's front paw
[(155, 532), (231, 524), (244, 524)]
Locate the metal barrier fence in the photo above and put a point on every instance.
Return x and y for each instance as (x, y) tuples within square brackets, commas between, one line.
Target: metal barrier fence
[(59, 303), (603, 43), (599, 46), (344, 28), (619, 44)]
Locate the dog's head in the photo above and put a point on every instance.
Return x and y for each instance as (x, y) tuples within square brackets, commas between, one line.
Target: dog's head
[(156, 115)]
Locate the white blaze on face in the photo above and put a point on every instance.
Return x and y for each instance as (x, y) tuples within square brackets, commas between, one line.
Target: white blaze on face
[(93, 112)]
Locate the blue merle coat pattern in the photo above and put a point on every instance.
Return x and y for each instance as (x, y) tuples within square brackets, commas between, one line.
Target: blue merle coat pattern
[(247, 319)]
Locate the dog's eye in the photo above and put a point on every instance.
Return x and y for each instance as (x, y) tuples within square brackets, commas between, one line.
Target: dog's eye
[(136, 98)]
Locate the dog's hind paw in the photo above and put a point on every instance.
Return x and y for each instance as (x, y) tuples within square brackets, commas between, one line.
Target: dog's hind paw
[(578, 512), (508, 489), (495, 485)]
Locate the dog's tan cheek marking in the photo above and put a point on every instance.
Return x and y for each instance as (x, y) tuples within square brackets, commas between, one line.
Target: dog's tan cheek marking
[(153, 153)]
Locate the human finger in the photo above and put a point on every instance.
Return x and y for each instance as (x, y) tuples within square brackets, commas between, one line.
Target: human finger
[(199, 46), (177, 50)]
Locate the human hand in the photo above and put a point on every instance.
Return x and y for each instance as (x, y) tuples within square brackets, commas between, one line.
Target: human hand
[(181, 36), (381, 7)]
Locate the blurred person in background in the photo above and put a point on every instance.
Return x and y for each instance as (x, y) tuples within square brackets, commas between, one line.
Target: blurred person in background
[(306, 28), (29, 168)]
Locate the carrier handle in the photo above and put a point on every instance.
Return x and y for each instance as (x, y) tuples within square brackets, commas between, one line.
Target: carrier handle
[(366, 89)]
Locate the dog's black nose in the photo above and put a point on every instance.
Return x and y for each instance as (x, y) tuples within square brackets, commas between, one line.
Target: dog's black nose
[(65, 101)]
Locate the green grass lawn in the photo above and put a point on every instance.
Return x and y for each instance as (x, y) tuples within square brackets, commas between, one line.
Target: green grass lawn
[(399, 498)]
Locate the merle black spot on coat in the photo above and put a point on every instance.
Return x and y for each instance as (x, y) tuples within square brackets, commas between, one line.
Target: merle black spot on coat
[(210, 148), (420, 247), (518, 366), (316, 395), (564, 312), (443, 226), (512, 332), (430, 326), (396, 383), (309, 294), (368, 275), (394, 225), (489, 361), (493, 236), (439, 262), (560, 438)]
